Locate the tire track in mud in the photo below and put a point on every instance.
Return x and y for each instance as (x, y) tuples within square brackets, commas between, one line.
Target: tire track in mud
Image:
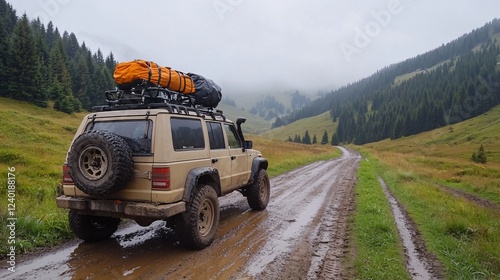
[(419, 262), (483, 202), (312, 244)]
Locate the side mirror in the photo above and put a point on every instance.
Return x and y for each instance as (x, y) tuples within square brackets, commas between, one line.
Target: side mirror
[(248, 145)]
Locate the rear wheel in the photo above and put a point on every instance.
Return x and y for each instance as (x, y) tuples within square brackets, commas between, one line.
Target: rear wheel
[(197, 226), (92, 228), (259, 191)]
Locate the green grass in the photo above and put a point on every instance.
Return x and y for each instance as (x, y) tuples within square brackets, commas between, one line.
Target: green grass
[(34, 142), (379, 254), (444, 155), (463, 235)]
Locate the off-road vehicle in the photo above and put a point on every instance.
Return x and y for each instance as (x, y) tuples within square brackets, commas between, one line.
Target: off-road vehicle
[(151, 154)]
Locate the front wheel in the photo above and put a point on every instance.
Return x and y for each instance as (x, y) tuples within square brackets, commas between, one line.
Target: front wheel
[(197, 226), (259, 191), (92, 228)]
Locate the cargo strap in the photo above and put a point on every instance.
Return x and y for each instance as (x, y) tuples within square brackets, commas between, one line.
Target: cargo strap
[(150, 71)]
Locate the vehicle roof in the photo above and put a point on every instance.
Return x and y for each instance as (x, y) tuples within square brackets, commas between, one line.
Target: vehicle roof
[(173, 110)]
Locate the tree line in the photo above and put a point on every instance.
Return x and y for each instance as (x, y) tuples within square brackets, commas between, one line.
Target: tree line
[(38, 65), (306, 139), (452, 83)]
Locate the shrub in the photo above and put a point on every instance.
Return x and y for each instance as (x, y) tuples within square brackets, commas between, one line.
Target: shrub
[(479, 156)]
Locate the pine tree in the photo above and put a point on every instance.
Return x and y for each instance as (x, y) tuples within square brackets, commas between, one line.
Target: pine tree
[(110, 62), (307, 138), (324, 140), (23, 64), (4, 49), (8, 20), (81, 84), (61, 90), (278, 123), (315, 140), (479, 156), (335, 140)]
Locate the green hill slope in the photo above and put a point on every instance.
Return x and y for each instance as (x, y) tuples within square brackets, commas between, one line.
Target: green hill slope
[(445, 154), (34, 141), (314, 125), (458, 141)]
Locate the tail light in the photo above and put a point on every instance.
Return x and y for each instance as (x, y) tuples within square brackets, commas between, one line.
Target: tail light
[(66, 177), (161, 178)]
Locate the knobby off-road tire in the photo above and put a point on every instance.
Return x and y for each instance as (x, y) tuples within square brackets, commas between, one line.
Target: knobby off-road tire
[(259, 191), (100, 163), (197, 226), (92, 228)]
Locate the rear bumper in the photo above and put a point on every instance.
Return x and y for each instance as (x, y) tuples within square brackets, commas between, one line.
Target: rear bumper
[(121, 209)]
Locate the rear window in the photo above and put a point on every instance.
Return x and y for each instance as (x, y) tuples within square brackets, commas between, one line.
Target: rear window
[(137, 133), (187, 134)]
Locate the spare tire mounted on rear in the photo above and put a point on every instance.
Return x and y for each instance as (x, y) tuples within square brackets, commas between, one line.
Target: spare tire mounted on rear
[(100, 163)]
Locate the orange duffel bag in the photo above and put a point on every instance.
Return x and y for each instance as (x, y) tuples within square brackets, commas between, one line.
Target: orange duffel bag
[(138, 72)]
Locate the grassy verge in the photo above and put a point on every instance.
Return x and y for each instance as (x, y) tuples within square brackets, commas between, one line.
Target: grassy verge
[(444, 155), (379, 254), (464, 236), (35, 140), (284, 156)]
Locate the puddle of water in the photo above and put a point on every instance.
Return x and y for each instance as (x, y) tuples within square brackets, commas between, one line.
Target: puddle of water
[(49, 266), (54, 265), (415, 264)]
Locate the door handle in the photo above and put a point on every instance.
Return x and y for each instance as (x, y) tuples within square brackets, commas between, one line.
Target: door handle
[(214, 160), (233, 157)]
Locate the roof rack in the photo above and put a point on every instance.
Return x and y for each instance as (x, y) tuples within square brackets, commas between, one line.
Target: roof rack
[(154, 97)]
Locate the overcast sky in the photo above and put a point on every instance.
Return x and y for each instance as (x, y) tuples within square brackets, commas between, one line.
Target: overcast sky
[(258, 46)]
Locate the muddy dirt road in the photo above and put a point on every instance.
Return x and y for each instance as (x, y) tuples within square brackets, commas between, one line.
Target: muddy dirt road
[(301, 235)]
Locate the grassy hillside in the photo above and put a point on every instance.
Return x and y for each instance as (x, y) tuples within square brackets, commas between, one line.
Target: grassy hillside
[(35, 140), (315, 125), (445, 154), (453, 201)]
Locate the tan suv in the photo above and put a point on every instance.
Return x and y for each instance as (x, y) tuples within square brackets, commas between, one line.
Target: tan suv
[(158, 161)]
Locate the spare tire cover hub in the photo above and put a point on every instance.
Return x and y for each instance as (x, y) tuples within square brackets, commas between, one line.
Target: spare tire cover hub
[(93, 163)]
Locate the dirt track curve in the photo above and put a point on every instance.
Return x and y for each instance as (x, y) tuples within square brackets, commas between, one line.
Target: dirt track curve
[(301, 235)]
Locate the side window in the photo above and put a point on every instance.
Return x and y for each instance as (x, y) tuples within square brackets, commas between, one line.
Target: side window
[(187, 134), (215, 135), (232, 136)]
